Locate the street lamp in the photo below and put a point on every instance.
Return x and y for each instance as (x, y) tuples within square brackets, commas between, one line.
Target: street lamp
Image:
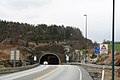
[(86, 29), (86, 37)]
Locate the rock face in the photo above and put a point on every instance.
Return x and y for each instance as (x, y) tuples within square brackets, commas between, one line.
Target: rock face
[(116, 60), (118, 73)]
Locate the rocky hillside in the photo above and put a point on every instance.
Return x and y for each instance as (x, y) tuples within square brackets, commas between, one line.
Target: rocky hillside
[(15, 34), (116, 60)]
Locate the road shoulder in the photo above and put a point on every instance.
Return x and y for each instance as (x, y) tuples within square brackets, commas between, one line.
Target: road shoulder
[(85, 74)]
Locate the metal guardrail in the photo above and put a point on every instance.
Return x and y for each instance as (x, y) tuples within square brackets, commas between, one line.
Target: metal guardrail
[(96, 66), (3, 70)]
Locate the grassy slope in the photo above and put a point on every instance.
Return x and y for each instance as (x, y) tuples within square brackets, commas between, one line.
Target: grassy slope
[(117, 47)]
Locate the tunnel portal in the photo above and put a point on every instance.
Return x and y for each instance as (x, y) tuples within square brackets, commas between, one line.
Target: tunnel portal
[(50, 58)]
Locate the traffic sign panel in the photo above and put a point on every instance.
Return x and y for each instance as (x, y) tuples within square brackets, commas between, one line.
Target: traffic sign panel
[(103, 48), (15, 54), (97, 50)]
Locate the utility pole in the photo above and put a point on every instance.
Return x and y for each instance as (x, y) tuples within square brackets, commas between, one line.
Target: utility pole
[(113, 23)]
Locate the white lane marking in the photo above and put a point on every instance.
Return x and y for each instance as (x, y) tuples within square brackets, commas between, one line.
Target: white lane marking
[(80, 72), (47, 74), (22, 73)]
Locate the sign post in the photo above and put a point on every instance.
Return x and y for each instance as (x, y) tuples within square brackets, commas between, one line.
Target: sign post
[(14, 59), (103, 73), (97, 50), (14, 56), (113, 43), (103, 50)]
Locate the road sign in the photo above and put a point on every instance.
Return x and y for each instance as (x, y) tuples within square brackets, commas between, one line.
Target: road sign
[(12, 55), (97, 50), (103, 48), (15, 55)]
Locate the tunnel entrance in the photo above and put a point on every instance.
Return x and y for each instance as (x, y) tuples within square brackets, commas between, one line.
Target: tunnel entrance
[(50, 58)]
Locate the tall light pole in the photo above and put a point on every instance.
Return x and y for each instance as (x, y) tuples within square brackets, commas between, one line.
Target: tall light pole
[(113, 21), (86, 29), (86, 35)]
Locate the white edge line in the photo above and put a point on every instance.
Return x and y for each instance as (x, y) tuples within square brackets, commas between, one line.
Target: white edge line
[(21, 73), (80, 72)]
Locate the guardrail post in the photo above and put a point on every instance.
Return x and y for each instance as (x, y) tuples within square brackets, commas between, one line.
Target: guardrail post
[(103, 72)]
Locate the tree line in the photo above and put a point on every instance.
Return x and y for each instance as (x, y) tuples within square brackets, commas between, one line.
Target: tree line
[(38, 33)]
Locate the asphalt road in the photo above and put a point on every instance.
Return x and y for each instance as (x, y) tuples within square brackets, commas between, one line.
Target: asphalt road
[(47, 72)]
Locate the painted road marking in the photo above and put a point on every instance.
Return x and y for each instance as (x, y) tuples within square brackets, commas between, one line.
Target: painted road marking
[(22, 73), (47, 74), (80, 72)]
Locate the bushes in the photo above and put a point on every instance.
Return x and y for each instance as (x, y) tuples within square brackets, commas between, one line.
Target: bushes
[(5, 63)]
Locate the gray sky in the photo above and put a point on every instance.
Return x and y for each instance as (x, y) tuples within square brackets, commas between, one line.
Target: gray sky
[(65, 12)]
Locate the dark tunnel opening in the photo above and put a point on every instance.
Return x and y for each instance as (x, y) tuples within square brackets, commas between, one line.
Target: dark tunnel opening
[(50, 58)]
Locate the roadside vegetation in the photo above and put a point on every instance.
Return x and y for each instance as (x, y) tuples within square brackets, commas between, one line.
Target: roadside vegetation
[(117, 47)]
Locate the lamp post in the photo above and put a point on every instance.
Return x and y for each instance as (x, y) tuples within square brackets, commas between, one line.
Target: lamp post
[(113, 20), (86, 37), (86, 29)]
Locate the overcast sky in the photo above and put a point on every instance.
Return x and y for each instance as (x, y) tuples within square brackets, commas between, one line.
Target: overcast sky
[(66, 12)]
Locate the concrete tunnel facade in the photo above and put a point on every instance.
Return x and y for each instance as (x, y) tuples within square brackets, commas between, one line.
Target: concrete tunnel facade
[(52, 58)]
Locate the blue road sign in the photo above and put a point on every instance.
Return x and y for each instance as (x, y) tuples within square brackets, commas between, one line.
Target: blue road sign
[(97, 50)]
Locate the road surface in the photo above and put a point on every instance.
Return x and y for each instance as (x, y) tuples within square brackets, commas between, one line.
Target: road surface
[(47, 72)]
